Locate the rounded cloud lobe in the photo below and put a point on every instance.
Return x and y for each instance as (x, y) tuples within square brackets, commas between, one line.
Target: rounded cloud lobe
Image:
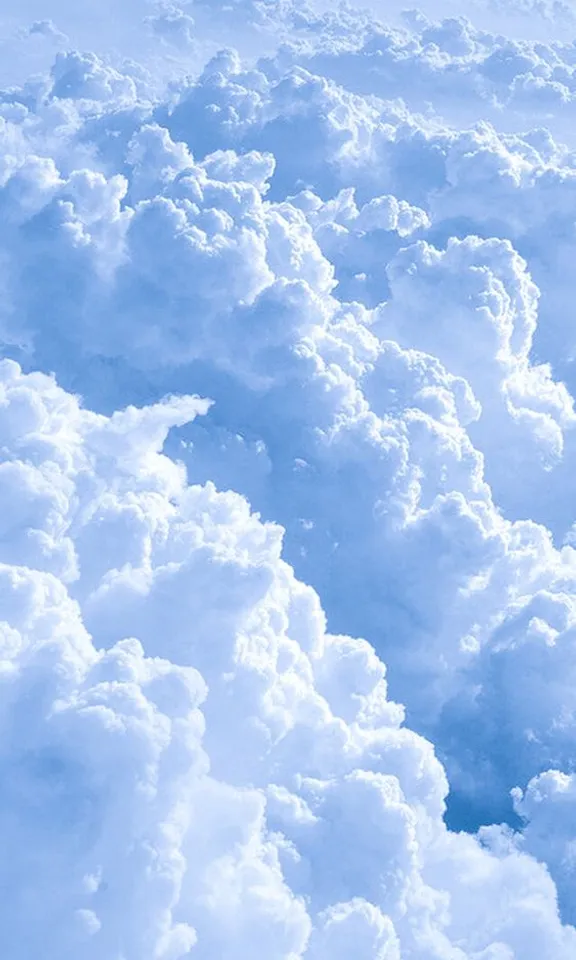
[(318, 316)]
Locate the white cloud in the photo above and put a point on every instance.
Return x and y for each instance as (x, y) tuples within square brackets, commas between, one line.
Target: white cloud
[(379, 307), (45, 28), (219, 783), (172, 24), (150, 248), (547, 806)]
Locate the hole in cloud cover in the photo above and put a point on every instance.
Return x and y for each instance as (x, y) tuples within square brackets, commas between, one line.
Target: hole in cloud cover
[(287, 437)]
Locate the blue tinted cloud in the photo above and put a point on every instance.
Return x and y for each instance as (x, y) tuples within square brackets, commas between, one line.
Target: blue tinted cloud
[(204, 754)]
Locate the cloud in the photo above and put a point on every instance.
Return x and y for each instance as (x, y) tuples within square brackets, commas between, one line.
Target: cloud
[(191, 761), (172, 24), (546, 806), (488, 323), (555, 11), (358, 394), (377, 306), (77, 76), (420, 61), (45, 28)]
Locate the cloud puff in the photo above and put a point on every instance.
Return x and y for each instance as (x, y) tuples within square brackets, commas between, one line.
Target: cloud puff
[(190, 789), (362, 398), (487, 324), (45, 28), (420, 64), (554, 11), (172, 24), (547, 807)]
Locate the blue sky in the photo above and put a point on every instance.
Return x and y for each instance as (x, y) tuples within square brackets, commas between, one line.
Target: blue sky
[(287, 446)]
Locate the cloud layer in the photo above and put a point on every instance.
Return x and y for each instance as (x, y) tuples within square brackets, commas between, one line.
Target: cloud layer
[(191, 762), (204, 754)]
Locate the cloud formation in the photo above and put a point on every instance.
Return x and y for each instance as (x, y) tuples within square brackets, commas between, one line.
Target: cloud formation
[(372, 292), (185, 745)]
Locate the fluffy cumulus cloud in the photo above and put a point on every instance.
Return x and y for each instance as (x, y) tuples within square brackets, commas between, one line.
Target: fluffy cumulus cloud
[(287, 439), (192, 765)]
